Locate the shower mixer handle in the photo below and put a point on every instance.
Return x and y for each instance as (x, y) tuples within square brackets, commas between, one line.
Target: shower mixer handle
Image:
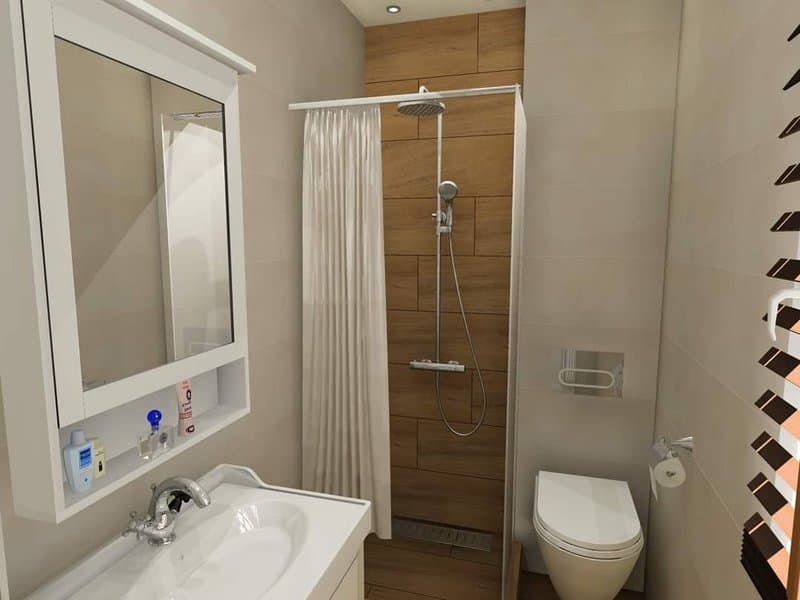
[(452, 366)]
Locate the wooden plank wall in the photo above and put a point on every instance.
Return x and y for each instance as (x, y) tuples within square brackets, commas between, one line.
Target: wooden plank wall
[(436, 476)]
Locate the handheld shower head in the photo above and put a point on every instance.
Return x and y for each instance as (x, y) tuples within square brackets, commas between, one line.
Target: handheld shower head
[(448, 190)]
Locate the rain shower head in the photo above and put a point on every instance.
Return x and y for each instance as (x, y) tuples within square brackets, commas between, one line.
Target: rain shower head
[(421, 108), (448, 190)]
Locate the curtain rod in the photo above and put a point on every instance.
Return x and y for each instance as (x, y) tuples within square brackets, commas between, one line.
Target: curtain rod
[(485, 91)]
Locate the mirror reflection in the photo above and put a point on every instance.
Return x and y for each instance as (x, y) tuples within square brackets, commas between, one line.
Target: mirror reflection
[(145, 170)]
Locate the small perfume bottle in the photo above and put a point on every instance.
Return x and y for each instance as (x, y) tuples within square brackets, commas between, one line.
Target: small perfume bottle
[(99, 456), (156, 441)]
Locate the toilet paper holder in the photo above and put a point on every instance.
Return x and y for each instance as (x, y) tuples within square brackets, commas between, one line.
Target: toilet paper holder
[(665, 449), (666, 468)]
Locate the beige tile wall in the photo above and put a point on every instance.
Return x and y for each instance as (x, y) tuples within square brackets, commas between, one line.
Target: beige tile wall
[(304, 51), (734, 60), (599, 101)]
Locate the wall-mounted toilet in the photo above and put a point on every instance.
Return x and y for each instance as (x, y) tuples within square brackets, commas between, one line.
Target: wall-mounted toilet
[(589, 534)]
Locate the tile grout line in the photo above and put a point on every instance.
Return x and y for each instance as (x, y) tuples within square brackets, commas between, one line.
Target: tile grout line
[(387, 587), (456, 474), (478, 43)]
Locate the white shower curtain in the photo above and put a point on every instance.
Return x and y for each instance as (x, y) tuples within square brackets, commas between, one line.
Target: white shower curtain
[(345, 356)]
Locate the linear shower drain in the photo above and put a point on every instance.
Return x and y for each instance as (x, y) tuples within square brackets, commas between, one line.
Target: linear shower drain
[(440, 534)]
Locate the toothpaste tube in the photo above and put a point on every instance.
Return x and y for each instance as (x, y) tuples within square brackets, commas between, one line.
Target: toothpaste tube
[(185, 420)]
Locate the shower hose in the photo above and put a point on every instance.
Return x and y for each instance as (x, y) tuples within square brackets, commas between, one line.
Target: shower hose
[(439, 402)]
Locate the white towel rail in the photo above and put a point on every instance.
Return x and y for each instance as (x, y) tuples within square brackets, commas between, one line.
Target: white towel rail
[(611, 376)]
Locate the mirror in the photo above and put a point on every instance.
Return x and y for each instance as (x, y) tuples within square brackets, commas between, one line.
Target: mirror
[(146, 188)]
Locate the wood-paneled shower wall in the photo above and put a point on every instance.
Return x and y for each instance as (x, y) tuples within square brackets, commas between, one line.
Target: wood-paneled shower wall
[(436, 476)]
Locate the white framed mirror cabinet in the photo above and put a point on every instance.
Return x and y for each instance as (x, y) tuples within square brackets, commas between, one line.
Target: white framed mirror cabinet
[(123, 221)]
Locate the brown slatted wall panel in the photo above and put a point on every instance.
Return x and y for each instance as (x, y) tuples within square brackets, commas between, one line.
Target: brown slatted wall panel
[(773, 570)]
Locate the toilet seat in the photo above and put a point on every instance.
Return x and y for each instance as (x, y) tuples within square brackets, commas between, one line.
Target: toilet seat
[(606, 555), (588, 517)]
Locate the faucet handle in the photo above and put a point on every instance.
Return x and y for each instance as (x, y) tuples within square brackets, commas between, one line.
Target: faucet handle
[(178, 499), (133, 525)]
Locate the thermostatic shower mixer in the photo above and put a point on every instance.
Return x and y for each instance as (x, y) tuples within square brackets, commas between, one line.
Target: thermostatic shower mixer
[(452, 366)]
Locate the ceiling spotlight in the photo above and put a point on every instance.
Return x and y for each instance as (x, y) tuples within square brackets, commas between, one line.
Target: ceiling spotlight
[(393, 9)]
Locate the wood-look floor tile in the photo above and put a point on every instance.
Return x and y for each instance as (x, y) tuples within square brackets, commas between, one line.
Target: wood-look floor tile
[(395, 126), (493, 557), (403, 437), (433, 576), (533, 586), (382, 593), (493, 226), (481, 454), (502, 39), (455, 500), (424, 48), (496, 395), (401, 282), (485, 283), (477, 115), (412, 394), (408, 227)]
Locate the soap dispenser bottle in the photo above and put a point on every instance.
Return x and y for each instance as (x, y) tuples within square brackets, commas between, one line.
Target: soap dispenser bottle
[(78, 462)]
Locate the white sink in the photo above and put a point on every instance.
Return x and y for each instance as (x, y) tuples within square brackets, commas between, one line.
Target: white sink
[(250, 543), (219, 542)]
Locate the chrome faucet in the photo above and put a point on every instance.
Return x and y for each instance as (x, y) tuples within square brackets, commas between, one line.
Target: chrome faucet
[(158, 525)]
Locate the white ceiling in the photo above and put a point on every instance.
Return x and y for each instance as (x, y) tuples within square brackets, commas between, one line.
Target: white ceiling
[(373, 12)]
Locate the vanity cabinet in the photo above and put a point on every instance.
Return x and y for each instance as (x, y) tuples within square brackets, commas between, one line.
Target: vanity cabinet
[(122, 229), (352, 584)]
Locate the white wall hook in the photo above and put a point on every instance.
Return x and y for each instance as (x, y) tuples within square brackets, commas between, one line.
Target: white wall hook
[(774, 303)]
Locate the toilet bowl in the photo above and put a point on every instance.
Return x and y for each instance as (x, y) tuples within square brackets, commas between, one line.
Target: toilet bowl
[(588, 532)]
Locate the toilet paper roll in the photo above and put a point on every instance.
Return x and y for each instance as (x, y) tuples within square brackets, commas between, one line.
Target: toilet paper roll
[(669, 473)]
